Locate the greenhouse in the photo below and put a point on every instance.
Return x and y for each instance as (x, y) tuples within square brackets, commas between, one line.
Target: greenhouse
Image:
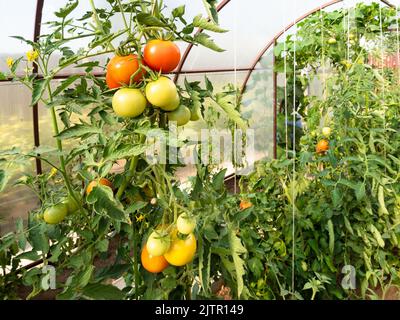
[(200, 150)]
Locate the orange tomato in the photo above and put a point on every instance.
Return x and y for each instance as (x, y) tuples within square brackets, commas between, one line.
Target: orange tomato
[(121, 68), (161, 55), (322, 146), (152, 264), (245, 204), (102, 181), (111, 83)]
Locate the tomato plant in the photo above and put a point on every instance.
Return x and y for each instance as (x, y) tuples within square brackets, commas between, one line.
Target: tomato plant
[(105, 122), (344, 200)]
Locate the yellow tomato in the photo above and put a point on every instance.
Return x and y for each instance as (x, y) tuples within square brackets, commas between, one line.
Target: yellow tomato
[(162, 93), (181, 251), (128, 102)]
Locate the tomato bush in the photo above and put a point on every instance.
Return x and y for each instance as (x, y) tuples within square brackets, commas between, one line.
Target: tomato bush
[(166, 240)]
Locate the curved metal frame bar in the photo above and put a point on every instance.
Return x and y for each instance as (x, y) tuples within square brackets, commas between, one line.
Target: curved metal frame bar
[(35, 113), (190, 46)]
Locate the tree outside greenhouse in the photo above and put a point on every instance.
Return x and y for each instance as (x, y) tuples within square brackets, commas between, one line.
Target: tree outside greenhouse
[(155, 178)]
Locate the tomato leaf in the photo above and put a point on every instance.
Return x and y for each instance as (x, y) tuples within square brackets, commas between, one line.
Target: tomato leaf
[(37, 237), (102, 245), (39, 85), (98, 291), (65, 11), (204, 40), (125, 151), (178, 11), (149, 20), (211, 9), (203, 23), (84, 277), (227, 103), (19, 229), (3, 179), (236, 249), (78, 130), (218, 180), (65, 84), (360, 191), (104, 202), (136, 206)]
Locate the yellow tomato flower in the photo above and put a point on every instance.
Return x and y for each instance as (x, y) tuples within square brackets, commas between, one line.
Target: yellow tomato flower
[(32, 55), (10, 62), (53, 172), (139, 218)]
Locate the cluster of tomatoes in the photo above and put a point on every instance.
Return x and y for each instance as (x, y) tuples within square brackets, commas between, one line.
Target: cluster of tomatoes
[(176, 247), (160, 56), (173, 245), (323, 144), (69, 205)]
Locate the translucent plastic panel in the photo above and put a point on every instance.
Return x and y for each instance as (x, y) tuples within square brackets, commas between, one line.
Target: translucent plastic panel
[(15, 131), (192, 129), (257, 107), (251, 25), (191, 10), (17, 18)]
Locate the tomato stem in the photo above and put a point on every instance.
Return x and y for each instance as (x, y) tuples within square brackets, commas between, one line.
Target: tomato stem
[(60, 149), (98, 23), (131, 171)]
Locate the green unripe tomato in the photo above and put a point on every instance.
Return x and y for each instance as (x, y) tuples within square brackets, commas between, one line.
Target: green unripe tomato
[(128, 103), (71, 204), (162, 93), (326, 131), (185, 224), (332, 40), (56, 213), (173, 104), (158, 243), (181, 115)]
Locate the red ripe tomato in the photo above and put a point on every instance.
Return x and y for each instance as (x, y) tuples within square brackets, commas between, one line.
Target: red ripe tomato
[(151, 263), (161, 55), (120, 69), (110, 82)]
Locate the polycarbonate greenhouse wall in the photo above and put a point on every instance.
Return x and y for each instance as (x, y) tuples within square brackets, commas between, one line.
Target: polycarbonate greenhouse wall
[(254, 26)]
